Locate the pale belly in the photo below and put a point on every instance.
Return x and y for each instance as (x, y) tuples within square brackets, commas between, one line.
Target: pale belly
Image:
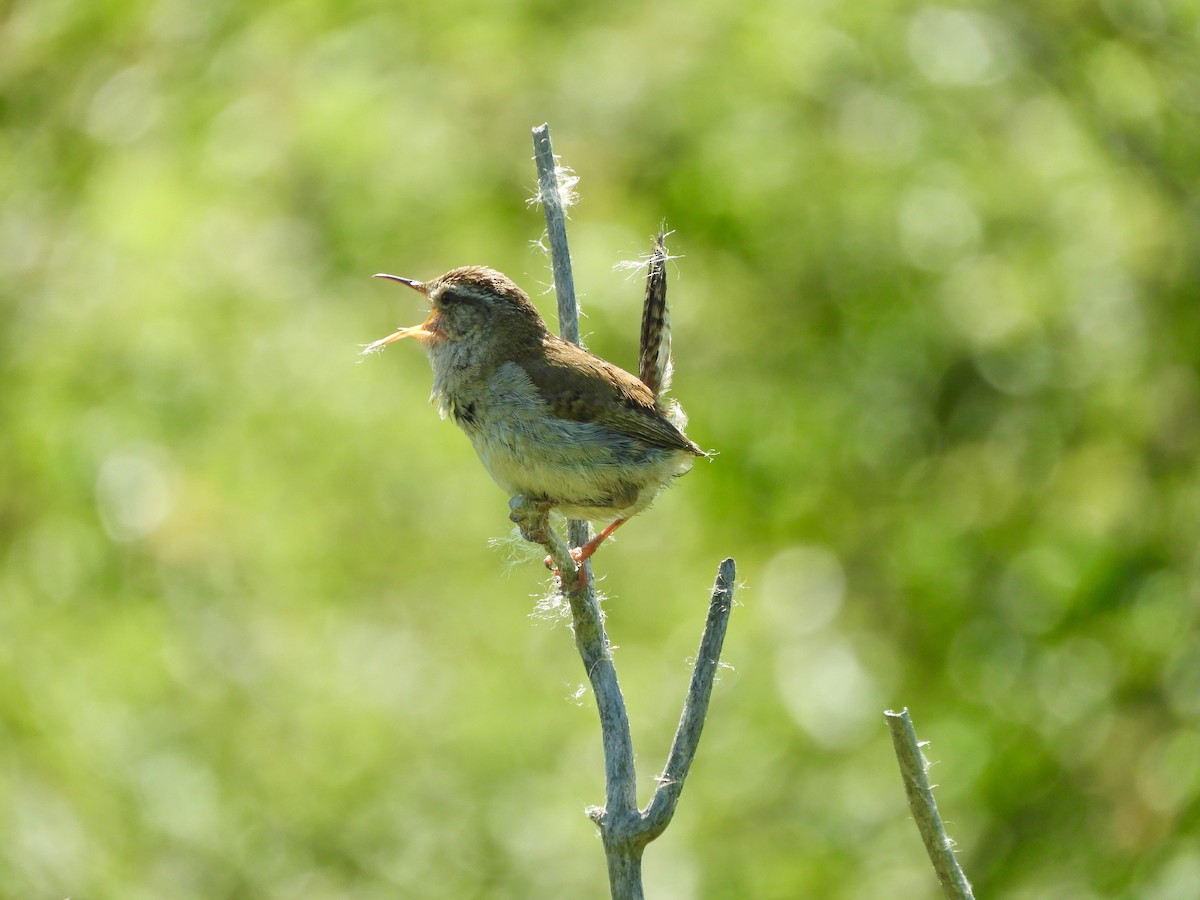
[(586, 470)]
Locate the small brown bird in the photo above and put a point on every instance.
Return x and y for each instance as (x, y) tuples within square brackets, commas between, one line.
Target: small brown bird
[(549, 420)]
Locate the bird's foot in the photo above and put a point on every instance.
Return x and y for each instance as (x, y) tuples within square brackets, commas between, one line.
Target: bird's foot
[(580, 554), (582, 576), (576, 554), (578, 558)]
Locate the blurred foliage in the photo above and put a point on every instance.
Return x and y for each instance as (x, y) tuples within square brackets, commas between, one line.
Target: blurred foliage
[(936, 308)]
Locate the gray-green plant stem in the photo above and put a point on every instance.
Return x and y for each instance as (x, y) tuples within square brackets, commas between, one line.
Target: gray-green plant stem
[(661, 808), (578, 531), (556, 233), (624, 829), (914, 769)]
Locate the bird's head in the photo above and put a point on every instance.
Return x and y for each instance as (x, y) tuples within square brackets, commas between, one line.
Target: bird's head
[(475, 306)]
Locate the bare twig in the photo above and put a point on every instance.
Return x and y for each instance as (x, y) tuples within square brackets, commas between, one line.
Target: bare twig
[(624, 830), (695, 706), (914, 770), (550, 196)]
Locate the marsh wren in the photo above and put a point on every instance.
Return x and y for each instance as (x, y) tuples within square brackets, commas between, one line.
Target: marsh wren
[(550, 421)]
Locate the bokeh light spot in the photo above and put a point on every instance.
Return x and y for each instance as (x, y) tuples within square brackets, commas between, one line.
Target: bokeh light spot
[(134, 493), (959, 47)]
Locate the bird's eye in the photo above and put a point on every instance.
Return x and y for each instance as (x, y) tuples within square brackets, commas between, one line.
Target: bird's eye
[(453, 298)]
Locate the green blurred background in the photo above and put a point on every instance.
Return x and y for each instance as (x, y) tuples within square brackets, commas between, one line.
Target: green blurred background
[(936, 308)]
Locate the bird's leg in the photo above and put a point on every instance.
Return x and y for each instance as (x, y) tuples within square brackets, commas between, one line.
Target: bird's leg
[(579, 554)]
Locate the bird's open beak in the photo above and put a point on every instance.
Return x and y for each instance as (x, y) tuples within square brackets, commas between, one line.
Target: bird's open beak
[(419, 286), (422, 332)]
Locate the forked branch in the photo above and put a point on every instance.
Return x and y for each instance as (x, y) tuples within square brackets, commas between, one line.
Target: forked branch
[(624, 829)]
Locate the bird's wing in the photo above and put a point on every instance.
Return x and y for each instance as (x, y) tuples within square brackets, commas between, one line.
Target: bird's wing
[(581, 387)]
